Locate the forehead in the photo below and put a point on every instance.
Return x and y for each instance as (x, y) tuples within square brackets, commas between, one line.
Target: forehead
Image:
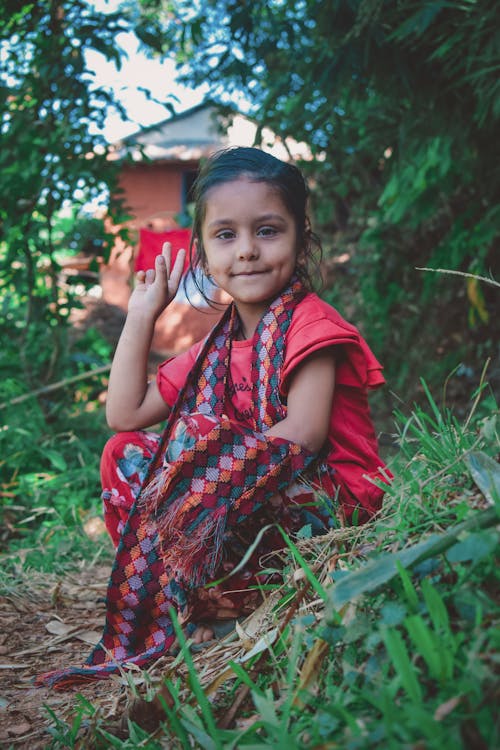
[(243, 195)]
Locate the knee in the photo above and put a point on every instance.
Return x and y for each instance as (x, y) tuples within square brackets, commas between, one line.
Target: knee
[(115, 446), (119, 445)]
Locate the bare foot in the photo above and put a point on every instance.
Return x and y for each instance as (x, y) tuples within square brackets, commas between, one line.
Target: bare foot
[(201, 634)]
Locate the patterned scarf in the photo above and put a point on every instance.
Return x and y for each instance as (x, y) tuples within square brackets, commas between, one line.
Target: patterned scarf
[(208, 474)]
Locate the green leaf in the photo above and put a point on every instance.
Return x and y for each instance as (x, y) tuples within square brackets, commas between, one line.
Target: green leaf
[(266, 709), (56, 459), (203, 702), (380, 570), (405, 670), (409, 588), (196, 731), (393, 613), (426, 644), (436, 607), (316, 585), (305, 532), (474, 547), (486, 474)]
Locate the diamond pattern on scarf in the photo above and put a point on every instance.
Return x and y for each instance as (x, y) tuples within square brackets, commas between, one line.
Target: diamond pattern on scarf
[(178, 523)]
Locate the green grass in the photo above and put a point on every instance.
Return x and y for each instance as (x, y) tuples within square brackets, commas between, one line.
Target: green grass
[(50, 449), (400, 649)]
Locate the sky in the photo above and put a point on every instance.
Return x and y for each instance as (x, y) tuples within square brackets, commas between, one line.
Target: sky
[(138, 71)]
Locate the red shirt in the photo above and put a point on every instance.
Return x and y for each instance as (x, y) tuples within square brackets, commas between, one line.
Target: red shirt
[(352, 445)]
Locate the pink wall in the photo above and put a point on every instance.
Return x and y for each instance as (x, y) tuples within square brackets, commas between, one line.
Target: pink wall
[(152, 189), (152, 194)]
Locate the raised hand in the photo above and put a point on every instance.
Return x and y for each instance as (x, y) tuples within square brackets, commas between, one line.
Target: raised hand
[(156, 287)]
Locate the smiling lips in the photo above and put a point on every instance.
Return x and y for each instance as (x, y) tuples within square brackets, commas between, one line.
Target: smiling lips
[(249, 273)]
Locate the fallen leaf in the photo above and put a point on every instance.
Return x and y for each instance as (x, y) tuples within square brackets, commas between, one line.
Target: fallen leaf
[(246, 722), (485, 472), (246, 641), (94, 528), (219, 680), (92, 637), (446, 708), (56, 627), (262, 644), (16, 730), (299, 576), (313, 665), (255, 622)]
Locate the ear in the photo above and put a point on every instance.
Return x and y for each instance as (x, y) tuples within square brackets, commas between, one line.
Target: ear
[(300, 255)]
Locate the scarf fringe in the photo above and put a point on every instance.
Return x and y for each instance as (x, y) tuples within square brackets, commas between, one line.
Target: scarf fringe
[(194, 556), (190, 547), (62, 679)]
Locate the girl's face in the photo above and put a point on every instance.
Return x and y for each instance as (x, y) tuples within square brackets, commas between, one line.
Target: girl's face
[(250, 243)]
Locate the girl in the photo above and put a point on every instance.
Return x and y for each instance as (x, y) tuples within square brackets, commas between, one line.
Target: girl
[(268, 420)]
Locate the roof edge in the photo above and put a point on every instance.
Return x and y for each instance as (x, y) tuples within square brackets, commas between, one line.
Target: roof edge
[(206, 104)]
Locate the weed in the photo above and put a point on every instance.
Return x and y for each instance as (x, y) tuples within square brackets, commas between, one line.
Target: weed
[(394, 648)]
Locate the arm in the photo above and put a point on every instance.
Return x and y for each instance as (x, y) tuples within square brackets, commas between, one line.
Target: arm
[(310, 398), (132, 403)]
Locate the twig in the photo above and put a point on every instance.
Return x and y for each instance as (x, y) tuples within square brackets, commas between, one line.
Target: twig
[(243, 691), (479, 393), (56, 386), (455, 461), (461, 273)]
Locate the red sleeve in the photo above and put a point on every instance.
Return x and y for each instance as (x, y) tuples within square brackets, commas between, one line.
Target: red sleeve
[(172, 373), (316, 325)]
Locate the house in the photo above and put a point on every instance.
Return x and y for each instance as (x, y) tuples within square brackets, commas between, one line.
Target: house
[(155, 181)]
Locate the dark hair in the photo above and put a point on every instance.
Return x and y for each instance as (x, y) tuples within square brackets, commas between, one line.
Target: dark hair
[(232, 164)]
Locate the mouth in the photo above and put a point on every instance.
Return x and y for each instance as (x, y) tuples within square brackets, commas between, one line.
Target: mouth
[(249, 273)]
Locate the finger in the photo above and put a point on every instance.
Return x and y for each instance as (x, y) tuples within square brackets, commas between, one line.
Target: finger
[(161, 267), (177, 270), (150, 276), (166, 252)]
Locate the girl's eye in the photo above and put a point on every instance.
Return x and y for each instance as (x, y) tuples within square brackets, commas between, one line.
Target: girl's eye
[(225, 234), (267, 231)]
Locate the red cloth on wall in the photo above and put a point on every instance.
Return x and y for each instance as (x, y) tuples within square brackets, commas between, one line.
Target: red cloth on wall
[(189, 318), (151, 243)]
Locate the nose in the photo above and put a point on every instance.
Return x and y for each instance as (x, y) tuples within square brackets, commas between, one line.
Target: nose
[(247, 247)]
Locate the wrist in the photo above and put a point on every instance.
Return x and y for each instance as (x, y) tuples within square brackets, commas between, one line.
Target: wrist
[(140, 323), (142, 317)]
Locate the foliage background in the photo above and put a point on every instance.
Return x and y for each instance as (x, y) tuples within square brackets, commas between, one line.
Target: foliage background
[(52, 164), (399, 103)]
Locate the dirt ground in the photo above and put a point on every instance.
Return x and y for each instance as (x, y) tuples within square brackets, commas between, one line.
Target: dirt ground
[(51, 623), (48, 623)]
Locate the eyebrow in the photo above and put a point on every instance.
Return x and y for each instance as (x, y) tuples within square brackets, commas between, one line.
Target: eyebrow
[(260, 219)]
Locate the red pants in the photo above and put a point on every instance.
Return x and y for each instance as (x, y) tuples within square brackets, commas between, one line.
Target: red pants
[(124, 465)]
